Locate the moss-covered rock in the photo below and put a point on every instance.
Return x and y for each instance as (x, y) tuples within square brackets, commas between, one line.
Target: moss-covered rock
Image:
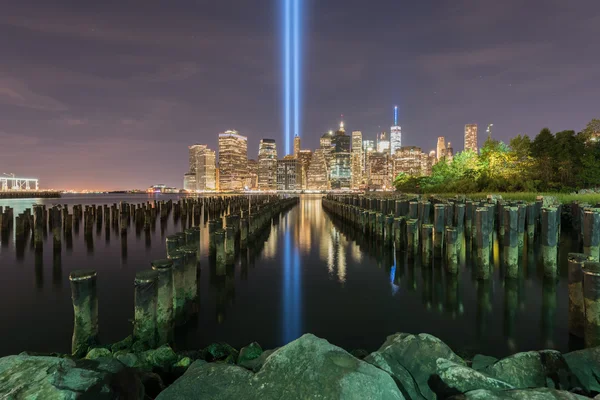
[(546, 368), (523, 394), (97, 353), (308, 367), (125, 344), (130, 359), (585, 364), (411, 360), (480, 361), (249, 353), (219, 351), (29, 377), (256, 364), (162, 358), (457, 378)]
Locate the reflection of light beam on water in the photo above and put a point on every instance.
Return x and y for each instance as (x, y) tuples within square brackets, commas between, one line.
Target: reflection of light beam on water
[(291, 287)]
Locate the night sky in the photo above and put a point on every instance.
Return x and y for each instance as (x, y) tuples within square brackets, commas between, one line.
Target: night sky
[(109, 94)]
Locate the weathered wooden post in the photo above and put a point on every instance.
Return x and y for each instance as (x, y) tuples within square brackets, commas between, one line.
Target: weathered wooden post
[(591, 233), (145, 326), (191, 275), (576, 303), (85, 309), (522, 214), (439, 222), (412, 237), (511, 242), (219, 238), (483, 243), (212, 229), (164, 310), (177, 257), (426, 244), (243, 232), (451, 250), (531, 221), (591, 299), (229, 245), (549, 244)]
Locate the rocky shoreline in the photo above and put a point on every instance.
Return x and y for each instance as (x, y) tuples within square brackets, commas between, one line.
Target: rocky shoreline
[(406, 366)]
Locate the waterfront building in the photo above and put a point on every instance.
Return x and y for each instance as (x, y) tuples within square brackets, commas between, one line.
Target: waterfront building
[(411, 160), (189, 182), (252, 177), (296, 146), (267, 165), (287, 173), (383, 143), (326, 145), (304, 158), (471, 137), (357, 159), (395, 134), (318, 171), (379, 171), (441, 148), (233, 160)]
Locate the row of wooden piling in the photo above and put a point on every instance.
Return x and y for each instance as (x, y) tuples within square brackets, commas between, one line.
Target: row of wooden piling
[(406, 225), (166, 295)]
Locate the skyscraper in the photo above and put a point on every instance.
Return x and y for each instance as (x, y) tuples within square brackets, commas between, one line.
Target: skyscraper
[(340, 172), (205, 170), (296, 146), (357, 159), (318, 171), (449, 152), (441, 148), (252, 177), (267, 165), (383, 143), (471, 137), (395, 134), (368, 148), (287, 173), (304, 157), (233, 160), (380, 173), (201, 175)]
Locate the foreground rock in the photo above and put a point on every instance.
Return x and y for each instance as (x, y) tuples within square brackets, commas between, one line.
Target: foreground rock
[(546, 368), (526, 394), (308, 367), (29, 377), (412, 361), (457, 378), (585, 364)]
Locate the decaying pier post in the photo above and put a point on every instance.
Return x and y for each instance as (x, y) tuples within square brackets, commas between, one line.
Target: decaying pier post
[(164, 310), (549, 241), (576, 303), (145, 327), (591, 299), (85, 309)]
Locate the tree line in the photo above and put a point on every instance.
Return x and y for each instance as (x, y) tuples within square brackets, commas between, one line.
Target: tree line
[(562, 162)]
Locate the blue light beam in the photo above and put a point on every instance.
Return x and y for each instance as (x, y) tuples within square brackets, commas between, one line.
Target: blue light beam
[(287, 65), (297, 71)]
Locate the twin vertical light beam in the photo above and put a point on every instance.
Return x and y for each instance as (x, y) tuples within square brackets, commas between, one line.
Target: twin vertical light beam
[(292, 70)]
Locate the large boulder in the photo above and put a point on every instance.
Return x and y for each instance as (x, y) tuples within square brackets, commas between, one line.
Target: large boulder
[(249, 353), (412, 359), (585, 364), (480, 361), (534, 369), (308, 367), (28, 377), (523, 394), (456, 378)]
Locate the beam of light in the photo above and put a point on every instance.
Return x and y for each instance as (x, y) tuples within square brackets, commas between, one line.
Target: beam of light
[(296, 40), (287, 65), (396, 116)]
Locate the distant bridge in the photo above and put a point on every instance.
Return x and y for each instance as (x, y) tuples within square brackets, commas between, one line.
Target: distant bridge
[(18, 184)]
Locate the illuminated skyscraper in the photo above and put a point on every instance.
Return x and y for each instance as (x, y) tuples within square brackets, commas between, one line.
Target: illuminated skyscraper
[(296, 146), (383, 143), (326, 145), (357, 159), (205, 170), (368, 148), (318, 171), (201, 175), (380, 172), (267, 165), (471, 137), (340, 171), (449, 152), (233, 160), (287, 173), (304, 158), (441, 148), (395, 134), (252, 177), (408, 160)]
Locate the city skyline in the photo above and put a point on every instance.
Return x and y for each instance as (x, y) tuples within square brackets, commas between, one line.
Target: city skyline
[(93, 96)]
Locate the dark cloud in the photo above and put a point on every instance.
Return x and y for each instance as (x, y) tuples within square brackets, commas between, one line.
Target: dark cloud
[(110, 94)]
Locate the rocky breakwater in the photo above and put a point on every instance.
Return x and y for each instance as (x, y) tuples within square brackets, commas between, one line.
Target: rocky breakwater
[(406, 366)]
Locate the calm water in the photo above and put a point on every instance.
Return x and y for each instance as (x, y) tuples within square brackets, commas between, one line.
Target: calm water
[(309, 273)]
